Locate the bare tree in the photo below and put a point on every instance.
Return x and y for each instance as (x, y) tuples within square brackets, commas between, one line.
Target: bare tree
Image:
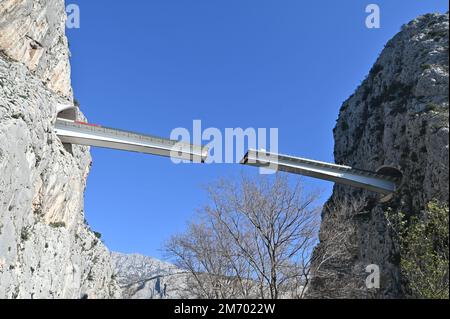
[(216, 270), (330, 274), (254, 240)]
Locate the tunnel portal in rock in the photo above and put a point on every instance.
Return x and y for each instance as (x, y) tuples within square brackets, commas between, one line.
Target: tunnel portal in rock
[(67, 112)]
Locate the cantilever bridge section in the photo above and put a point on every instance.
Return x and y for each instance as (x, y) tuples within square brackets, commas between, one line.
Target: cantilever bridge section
[(73, 132), (386, 181)]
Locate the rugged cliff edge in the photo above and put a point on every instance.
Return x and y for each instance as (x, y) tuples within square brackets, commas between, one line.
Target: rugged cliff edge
[(46, 249), (398, 117)]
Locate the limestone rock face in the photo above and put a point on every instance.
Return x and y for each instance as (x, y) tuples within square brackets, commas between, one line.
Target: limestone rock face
[(46, 248), (398, 117), (32, 32)]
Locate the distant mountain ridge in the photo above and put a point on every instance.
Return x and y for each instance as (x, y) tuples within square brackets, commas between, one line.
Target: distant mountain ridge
[(142, 277)]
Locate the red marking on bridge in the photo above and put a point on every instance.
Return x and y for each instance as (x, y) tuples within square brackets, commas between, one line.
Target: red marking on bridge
[(87, 124)]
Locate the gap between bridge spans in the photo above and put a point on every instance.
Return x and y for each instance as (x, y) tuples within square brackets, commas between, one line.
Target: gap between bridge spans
[(386, 180)]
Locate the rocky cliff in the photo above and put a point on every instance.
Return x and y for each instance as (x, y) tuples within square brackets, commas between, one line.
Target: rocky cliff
[(398, 117), (46, 248)]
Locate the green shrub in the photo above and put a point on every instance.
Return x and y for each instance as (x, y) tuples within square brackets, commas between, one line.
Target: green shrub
[(58, 225), (377, 68), (25, 234), (431, 107), (345, 126), (98, 235), (424, 249)]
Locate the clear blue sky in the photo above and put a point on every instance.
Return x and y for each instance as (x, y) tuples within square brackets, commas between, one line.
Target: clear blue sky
[(152, 66)]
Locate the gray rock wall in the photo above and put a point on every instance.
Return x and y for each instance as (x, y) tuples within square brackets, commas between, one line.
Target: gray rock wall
[(33, 32), (46, 249), (397, 117)]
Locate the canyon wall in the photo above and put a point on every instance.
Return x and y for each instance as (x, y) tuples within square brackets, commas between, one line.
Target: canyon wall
[(398, 117), (46, 248)]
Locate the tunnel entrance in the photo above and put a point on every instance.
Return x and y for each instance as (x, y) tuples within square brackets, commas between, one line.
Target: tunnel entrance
[(67, 112), (394, 173)]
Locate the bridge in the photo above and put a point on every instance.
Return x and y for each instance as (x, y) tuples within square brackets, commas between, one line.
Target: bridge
[(386, 180), (80, 133)]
